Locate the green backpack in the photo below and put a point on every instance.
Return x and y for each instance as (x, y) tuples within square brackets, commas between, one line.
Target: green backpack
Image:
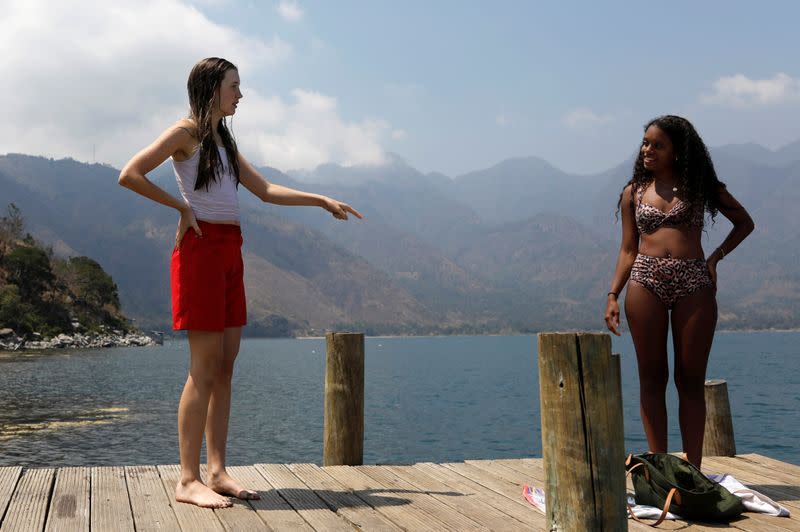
[(668, 482)]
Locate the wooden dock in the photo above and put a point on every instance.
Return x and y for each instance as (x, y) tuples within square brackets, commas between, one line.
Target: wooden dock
[(476, 494)]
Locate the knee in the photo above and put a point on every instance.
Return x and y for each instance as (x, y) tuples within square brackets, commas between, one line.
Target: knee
[(653, 382), (690, 386), (204, 380), (206, 376), (225, 373)]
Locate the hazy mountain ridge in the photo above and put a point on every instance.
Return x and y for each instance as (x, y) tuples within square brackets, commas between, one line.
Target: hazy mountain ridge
[(133, 237), (518, 246)]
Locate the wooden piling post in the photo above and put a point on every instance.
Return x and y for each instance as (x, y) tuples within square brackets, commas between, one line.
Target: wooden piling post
[(343, 431), (718, 439), (582, 433)]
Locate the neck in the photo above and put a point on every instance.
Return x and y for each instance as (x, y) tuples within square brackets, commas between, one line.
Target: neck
[(665, 176), (215, 121)]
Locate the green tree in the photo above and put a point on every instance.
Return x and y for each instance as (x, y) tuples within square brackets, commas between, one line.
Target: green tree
[(11, 227), (28, 267), (16, 313), (92, 284)]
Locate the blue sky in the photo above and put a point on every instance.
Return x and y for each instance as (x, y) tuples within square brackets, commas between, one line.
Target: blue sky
[(458, 86)]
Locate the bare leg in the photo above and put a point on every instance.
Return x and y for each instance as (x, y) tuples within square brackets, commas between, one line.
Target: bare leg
[(694, 319), (206, 353), (648, 321), (219, 409)]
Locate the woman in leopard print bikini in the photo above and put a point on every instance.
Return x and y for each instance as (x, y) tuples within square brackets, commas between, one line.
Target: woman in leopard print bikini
[(663, 209)]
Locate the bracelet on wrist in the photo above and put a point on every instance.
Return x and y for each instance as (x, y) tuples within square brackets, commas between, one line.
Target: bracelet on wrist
[(615, 294), (721, 253)]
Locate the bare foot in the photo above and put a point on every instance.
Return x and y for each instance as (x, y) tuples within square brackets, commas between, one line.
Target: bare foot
[(223, 483), (197, 493)]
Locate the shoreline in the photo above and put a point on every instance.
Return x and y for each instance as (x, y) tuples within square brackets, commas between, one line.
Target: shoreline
[(18, 345), (138, 339)]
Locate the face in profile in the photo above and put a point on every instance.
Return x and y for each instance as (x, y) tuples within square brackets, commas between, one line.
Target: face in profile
[(657, 150), (229, 93)]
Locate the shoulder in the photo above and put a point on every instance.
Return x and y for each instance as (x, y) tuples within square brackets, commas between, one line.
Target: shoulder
[(183, 135), (627, 192), (186, 126)]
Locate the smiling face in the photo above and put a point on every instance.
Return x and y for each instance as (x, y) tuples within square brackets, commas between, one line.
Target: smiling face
[(657, 150), (228, 95)]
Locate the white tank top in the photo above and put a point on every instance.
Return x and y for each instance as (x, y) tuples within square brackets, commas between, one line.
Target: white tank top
[(220, 202)]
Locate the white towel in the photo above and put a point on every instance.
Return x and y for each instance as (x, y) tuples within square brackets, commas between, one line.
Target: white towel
[(753, 501), (648, 512)]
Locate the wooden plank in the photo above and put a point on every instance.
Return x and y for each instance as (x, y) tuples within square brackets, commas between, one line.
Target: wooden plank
[(785, 482), (786, 478), (516, 507), (303, 500), (190, 517), (8, 481), (110, 506), (27, 509), (272, 509), (240, 516), (767, 461), (442, 512), (397, 508), (469, 504), (534, 470), (69, 504), (766, 523), (340, 499), (500, 485), (150, 505)]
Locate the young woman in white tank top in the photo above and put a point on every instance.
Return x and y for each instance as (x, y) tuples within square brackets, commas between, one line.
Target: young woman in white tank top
[(206, 270)]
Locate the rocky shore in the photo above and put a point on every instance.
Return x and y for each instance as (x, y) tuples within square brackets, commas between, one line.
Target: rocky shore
[(9, 341)]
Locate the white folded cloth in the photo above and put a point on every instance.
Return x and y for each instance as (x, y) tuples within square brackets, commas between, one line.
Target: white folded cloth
[(753, 501)]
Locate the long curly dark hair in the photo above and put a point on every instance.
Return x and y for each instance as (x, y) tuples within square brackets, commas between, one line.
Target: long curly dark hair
[(697, 179), (204, 84)]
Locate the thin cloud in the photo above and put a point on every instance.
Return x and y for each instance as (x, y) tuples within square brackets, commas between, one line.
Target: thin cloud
[(399, 134), (502, 120), (740, 91), (290, 10), (306, 131), (585, 118)]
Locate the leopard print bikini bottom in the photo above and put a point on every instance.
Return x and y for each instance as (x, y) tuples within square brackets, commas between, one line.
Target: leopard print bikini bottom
[(671, 279)]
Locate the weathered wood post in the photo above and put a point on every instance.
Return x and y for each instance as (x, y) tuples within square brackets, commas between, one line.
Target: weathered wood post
[(718, 439), (582, 433), (343, 431)]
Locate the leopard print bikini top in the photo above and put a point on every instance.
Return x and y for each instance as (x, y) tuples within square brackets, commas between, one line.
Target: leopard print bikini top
[(650, 218)]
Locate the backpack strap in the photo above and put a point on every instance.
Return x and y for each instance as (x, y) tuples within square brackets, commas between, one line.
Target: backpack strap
[(670, 495)]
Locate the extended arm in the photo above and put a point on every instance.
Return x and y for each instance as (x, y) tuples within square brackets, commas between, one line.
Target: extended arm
[(281, 195)]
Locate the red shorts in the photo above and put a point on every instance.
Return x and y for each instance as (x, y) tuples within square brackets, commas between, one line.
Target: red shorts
[(207, 279)]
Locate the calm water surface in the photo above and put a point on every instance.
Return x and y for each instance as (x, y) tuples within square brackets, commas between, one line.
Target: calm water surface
[(427, 399)]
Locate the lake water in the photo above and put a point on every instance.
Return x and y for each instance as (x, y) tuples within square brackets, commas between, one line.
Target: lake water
[(427, 399)]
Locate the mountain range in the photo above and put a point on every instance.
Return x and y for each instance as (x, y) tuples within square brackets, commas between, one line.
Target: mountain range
[(517, 247)]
